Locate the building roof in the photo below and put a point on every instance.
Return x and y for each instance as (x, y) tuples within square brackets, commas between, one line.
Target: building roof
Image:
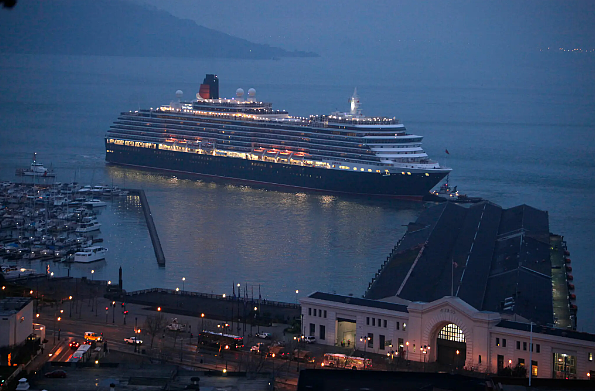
[(358, 301), (538, 329), (482, 254), (12, 305)]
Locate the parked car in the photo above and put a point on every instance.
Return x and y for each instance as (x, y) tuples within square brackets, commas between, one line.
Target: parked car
[(74, 345), (263, 335), (309, 339), (133, 340), (57, 373)]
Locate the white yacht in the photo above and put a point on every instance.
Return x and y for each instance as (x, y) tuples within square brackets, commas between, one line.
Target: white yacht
[(88, 227), (94, 203), (90, 254)]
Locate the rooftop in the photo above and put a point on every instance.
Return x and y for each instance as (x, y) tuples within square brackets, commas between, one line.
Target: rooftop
[(12, 305), (483, 254)]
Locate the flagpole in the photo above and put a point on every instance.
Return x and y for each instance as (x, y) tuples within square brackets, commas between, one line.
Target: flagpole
[(452, 277)]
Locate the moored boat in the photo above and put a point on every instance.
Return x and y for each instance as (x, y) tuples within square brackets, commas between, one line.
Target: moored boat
[(90, 254)]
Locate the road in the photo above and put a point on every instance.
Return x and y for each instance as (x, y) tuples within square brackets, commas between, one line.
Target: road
[(175, 347)]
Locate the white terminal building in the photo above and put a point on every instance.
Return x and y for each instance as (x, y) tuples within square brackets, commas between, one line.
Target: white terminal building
[(481, 288), (16, 320)]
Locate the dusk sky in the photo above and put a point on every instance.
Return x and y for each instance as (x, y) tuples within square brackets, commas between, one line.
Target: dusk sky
[(384, 27)]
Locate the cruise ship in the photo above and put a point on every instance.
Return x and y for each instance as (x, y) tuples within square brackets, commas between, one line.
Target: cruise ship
[(244, 139)]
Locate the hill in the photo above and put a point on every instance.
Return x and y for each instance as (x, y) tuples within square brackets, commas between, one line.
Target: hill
[(118, 28)]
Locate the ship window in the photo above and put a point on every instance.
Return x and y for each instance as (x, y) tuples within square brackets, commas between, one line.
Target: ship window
[(362, 169), (369, 170), (427, 174), (355, 168), (403, 172)]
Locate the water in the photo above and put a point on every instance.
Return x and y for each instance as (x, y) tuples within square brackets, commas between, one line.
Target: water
[(516, 134)]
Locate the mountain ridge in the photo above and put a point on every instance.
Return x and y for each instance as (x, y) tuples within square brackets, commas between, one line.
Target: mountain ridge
[(119, 28)]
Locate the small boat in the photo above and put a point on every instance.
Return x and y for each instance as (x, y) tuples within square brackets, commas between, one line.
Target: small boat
[(94, 203), (569, 277), (90, 254), (88, 227), (36, 169), (567, 260)]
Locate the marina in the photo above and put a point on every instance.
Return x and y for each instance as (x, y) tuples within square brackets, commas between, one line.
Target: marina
[(48, 223)]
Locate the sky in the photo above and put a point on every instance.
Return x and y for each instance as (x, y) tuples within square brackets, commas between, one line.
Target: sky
[(379, 27)]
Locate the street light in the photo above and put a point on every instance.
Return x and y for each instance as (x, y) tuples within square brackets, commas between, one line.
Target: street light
[(158, 308), (366, 339), (70, 314), (424, 350), (296, 293), (257, 323), (202, 325), (407, 353), (92, 274), (183, 280), (113, 312)]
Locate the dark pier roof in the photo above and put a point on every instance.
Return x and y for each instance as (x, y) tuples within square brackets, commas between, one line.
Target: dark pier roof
[(483, 254)]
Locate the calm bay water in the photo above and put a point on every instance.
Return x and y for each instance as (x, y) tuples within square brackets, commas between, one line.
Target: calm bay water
[(523, 133)]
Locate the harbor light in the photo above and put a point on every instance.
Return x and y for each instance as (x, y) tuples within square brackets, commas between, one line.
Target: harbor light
[(158, 308)]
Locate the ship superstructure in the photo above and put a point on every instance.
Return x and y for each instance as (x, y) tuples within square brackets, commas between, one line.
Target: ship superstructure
[(246, 139)]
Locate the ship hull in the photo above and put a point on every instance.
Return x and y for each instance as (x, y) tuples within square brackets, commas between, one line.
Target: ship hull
[(412, 187)]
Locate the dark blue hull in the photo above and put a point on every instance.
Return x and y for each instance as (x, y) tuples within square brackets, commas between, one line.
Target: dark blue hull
[(413, 186)]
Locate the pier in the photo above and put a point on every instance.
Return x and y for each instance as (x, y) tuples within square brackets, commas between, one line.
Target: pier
[(150, 226)]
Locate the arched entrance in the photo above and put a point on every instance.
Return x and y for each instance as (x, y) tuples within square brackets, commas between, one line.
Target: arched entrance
[(451, 346)]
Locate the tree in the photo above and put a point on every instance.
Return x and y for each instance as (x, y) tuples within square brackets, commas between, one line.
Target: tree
[(154, 324)]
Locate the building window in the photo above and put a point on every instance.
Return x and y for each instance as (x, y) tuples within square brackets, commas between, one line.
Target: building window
[(385, 323), (314, 311), (521, 362), (538, 348), (503, 342), (480, 359), (373, 321), (452, 332), (381, 342), (518, 345), (370, 340), (368, 320), (524, 345), (312, 329), (397, 325), (534, 368), (325, 313), (497, 341), (322, 332), (589, 356), (309, 311), (404, 326)]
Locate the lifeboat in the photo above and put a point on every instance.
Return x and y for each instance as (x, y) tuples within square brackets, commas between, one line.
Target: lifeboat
[(571, 286), (567, 260), (568, 268), (569, 277), (573, 307), (572, 296), (566, 252)]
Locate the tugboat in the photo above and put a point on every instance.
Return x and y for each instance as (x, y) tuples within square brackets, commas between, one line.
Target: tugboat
[(447, 193), (36, 170)]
